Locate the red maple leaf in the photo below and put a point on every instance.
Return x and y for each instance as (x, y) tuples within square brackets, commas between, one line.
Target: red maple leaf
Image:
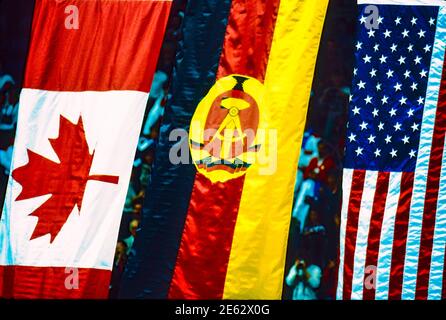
[(65, 181)]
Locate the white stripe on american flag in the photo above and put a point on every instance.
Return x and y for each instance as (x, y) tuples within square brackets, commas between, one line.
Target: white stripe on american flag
[(346, 188), (365, 212), (438, 249), (386, 241), (422, 167)]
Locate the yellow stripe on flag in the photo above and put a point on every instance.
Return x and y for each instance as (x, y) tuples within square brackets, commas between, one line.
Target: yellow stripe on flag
[(257, 259)]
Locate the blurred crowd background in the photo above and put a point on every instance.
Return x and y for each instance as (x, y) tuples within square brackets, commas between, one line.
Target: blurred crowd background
[(312, 252)]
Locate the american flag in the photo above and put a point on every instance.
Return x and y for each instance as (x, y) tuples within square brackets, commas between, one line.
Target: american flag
[(393, 226)]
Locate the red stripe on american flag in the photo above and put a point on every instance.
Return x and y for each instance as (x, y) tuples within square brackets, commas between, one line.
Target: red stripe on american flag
[(352, 230), (376, 221), (400, 236), (432, 189)]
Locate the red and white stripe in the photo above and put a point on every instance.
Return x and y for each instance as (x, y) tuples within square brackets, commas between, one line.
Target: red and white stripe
[(102, 72), (395, 223)]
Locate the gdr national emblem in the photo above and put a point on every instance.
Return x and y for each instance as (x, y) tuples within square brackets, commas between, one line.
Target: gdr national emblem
[(224, 130)]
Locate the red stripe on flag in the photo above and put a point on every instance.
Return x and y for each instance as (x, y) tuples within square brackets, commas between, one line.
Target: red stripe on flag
[(432, 189), (203, 257), (376, 221), (400, 236), (91, 57), (22, 282), (248, 38), (351, 232), (206, 243)]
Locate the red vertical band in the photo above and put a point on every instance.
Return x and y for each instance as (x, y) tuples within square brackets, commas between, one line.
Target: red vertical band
[(400, 236), (376, 221), (443, 294), (351, 232), (432, 189), (95, 56), (203, 257)]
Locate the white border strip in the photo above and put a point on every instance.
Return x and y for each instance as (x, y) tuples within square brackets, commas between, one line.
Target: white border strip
[(346, 189)]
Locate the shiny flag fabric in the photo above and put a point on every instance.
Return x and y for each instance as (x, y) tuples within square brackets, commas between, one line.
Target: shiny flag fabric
[(88, 76), (393, 228), (217, 227)]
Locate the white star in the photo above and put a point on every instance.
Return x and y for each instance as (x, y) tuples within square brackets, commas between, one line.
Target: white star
[(358, 45), (388, 139), (398, 21), (380, 20), (392, 112), (381, 126), (368, 100), (393, 47), (352, 137), (431, 21), (415, 127), (397, 86), (427, 48), (361, 85), (350, 98), (407, 74), (378, 86), (414, 21), (384, 100), (371, 139), (383, 59), (363, 20), (420, 101), (367, 59), (376, 47), (417, 60), (405, 33), (410, 112), (373, 73), (359, 151), (375, 112), (397, 126), (412, 154), (389, 74), (423, 73), (371, 33), (421, 33), (355, 71), (363, 125), (356, 110), (393, 153), (405, 139), (387, 33), (403, 100), (377, 153), (410, 48), (402, 60), (414, 86)]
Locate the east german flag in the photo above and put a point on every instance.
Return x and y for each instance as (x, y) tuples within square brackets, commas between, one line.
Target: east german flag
[(215, 222), (89, 71)]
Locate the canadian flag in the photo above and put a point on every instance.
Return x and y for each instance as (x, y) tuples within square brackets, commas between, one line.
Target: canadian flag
[(88, 75)]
